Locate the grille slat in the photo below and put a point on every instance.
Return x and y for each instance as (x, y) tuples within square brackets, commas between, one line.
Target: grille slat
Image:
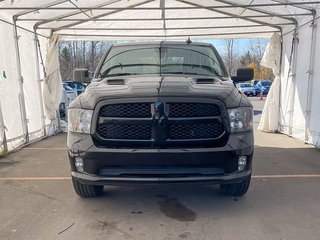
[(116, 131), (196, 131), (126, 110), (178, 110)]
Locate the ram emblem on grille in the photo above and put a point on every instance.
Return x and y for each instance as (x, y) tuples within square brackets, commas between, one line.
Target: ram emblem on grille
[(159, 116)]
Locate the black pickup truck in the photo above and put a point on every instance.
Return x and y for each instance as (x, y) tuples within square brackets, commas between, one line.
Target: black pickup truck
[(161, 113)]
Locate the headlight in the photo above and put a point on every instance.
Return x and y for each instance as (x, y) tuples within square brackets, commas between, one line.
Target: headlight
[(79, 120), (240, 119)]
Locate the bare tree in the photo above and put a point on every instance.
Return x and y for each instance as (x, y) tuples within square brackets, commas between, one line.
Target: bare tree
[(230, 55), (83, 54), (256, 48)]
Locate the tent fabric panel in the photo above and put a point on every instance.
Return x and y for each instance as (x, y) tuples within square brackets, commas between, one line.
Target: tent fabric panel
[(9, 95), (271, 59), (52, 86), (300, 101), (30, 84), (294, 96), (287, 87)]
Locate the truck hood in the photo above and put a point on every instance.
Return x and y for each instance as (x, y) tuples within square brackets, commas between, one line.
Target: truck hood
[(158, 88)]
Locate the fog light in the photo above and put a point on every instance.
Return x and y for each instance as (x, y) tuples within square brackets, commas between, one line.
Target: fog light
[(78, 162), (242, 162)]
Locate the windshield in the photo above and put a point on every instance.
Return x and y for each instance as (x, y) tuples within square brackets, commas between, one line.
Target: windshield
[(266, 84), (167, 59)]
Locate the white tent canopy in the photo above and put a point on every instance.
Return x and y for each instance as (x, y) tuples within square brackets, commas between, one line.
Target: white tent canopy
[(30, 30)]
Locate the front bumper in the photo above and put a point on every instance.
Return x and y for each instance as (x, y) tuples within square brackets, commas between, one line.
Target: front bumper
[(119, 181), (119, 166)]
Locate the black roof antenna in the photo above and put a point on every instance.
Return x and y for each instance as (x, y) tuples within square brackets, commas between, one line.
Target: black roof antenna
[(188, 40)]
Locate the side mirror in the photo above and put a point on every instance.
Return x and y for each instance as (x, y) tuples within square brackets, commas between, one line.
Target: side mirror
[(243, 75), (81, 75)]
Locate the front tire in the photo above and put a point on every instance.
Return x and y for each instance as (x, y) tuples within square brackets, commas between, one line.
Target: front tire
[(235, 189), (86, 190)]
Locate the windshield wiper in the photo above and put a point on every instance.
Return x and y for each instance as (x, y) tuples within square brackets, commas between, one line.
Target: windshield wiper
[(117, 74), (207, 68), (122, 66), (186, 73)]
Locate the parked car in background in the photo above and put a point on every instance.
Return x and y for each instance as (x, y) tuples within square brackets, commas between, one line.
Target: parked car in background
[(247, 89), (254, 82), (76, 86), (263, 86), (68, 94)]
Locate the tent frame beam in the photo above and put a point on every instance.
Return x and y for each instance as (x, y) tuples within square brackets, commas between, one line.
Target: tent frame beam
[(233, 15), (171, 28), (47, 6), (311, 10), (154, 19), (168, 36), (60, 17), (100, 16), (163, 14), (82, 11), (22, 28), (37, 69), (278, 4), (250, 7)]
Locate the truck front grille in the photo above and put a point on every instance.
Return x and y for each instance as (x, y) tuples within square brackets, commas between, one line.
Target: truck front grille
[(162, 125)]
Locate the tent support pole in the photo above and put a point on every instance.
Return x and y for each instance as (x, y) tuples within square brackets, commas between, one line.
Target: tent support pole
[(294, 79), (310, 80), (5, 144), (4, 141), (20, 81), (280, 83), (38, 79)]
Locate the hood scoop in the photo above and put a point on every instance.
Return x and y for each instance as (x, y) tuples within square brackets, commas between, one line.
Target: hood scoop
[(205, 81), (115, 82)]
